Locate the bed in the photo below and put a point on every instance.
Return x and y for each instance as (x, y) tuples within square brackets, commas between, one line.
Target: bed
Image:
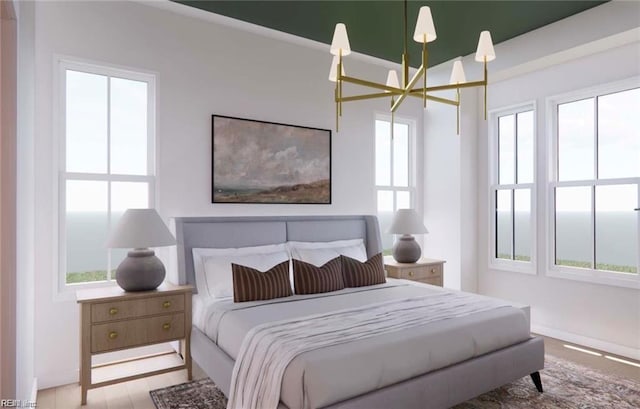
[(435, 366)]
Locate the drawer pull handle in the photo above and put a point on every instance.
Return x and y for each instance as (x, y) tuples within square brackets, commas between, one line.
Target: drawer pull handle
[(166, 326), (113, 311), (166, 304), (410, 273), (433, 270), (113, 335)]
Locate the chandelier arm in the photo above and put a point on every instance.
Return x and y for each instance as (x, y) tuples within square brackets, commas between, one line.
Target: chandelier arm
[(339, 75), (372, 84), (337, 109), (392, 117), (426, 67), (366, 96), (486, 81), (458, 111), (450, 86), (436, 99), (408, 89)]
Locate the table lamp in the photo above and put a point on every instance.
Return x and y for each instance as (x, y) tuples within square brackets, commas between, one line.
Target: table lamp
[(406, 222), (140, 229)]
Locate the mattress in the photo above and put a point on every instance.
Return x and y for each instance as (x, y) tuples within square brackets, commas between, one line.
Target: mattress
[(328, 375)]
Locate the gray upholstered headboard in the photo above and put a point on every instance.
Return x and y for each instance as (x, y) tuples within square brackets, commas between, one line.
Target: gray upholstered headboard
[(228, 232)]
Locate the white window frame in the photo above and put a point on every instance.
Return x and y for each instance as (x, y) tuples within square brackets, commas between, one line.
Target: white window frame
[(62, 290), (525, 267), (575, 273), (412, 185)]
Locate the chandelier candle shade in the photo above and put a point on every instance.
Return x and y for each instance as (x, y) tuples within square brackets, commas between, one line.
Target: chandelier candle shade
[(407, 222), (392, 79), (140, 229), (457, 77), (425, 32)]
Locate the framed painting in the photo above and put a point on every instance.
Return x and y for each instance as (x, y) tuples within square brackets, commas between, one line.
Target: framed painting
[(265, 162)]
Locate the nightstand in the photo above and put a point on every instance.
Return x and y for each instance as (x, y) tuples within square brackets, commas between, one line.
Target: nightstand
[(112, 319), (425, 270)]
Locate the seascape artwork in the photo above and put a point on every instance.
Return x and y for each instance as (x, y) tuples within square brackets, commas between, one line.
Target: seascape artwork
[(264, 162)]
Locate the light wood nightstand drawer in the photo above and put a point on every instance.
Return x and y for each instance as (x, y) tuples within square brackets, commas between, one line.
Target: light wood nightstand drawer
[(131, 333), (162, 305), (433, 281), (117, 335), (165, 327), (420, 272), (117, 310)]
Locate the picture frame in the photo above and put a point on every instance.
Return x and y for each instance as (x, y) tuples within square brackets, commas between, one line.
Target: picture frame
[(264, 162)]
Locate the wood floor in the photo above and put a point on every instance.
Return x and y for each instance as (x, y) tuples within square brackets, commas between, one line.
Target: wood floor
[(135, 394), (601, 363), (126, 395)]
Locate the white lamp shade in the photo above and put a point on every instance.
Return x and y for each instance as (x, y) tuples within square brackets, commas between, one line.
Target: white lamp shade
[(424, 26), (140, 228), (457, 73), (392, 79), (485, 48), (407, 221), (334, 69), (340, 41)]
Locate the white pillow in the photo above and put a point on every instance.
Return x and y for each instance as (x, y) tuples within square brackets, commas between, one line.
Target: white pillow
[(219, 274), (199, 255), (318, 253)]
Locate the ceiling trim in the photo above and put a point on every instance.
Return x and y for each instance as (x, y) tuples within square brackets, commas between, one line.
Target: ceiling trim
[(573, 53), (209, 16)]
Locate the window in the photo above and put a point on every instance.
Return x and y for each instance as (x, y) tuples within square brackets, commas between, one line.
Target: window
[(394, 176), (513, 136), (594, 186), (106, 163)]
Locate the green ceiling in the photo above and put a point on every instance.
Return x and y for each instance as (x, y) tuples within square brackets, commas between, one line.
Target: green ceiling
[(376, 27)]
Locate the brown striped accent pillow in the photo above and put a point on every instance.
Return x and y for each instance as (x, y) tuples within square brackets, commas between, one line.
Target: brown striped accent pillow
[(309, 279), (250, 284), (359, 274)]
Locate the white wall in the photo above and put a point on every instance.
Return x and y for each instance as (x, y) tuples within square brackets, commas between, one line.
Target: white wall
[(442, 193), (561, 308), (25, 331), (551, 60), (450, 183), (582, 55), (202, 68)]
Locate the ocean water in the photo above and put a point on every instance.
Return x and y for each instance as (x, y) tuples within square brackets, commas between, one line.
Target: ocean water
[(616, 237), (87, 234)]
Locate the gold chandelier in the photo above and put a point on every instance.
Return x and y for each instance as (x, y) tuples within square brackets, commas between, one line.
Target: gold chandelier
[(424, 33)]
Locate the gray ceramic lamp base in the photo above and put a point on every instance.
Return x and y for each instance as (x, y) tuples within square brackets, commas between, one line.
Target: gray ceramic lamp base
[(140, 271), (406, 249)]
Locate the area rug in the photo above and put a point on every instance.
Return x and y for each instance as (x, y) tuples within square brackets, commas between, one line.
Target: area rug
[(200, 394), (566, 386)]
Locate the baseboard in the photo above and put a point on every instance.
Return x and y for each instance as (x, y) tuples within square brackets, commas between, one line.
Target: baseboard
[(594, 343), (53, 379), (34, 390)]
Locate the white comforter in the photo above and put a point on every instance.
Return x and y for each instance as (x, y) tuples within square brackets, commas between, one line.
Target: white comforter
[(269, 348), (332, 373)]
